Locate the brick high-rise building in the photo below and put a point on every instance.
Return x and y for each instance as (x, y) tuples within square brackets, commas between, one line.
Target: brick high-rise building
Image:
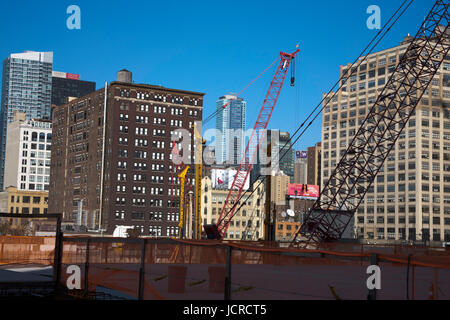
[(410, 197), (118, 164), (314, 165)]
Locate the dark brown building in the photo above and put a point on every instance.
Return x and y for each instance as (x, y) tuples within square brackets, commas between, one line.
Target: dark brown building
[(65, 85), (130, 184), (314, 167)]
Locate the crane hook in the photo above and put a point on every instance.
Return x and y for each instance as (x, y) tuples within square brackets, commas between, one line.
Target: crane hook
[(293, 73)]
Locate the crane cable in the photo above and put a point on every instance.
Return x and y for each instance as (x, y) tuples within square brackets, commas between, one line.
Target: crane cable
[(219, 110), (326, 96), (312, 113)]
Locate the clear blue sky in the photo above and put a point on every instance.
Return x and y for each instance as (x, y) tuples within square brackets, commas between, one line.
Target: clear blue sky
[(215, 47)]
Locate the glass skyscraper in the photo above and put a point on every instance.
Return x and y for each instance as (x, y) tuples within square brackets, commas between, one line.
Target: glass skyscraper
[(282, 157), (230, 126), (26, 87)]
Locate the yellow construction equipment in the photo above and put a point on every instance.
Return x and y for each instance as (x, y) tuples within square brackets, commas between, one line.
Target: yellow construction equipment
[(182, 177), (198, 142), (197, 221)]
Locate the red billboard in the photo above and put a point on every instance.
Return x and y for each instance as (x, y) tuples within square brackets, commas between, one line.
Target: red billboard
[(72, 76), (303, 191)]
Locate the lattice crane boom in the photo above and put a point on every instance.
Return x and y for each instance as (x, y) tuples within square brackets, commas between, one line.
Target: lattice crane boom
[(354, 175), (217, 231)]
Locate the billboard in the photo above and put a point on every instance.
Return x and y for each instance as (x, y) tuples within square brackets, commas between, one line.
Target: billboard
[(72, 76), (303, 191), (58, 74), (223, 179), (65, 75), (302, 154)]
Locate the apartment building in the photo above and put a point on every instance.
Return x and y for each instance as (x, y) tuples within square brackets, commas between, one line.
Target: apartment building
[(247, 224), (26, 87), (112, 150), (230, 129), (410, 198), (28, 153)]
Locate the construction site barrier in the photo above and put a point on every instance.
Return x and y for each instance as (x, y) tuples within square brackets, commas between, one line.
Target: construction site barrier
[(27, 250), (186, 269)]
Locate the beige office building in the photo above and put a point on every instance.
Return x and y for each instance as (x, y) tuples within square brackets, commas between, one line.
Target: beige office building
[(27, 160), (279, 187), (410, 198), (248, 221), (13, 200)]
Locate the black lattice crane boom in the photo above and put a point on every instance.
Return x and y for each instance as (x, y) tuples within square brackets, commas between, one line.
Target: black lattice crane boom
[(347, 186)]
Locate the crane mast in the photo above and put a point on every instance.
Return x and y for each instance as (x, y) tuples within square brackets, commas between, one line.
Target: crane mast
[(182, 223), (199, 142), (218, 231), (347, 186)]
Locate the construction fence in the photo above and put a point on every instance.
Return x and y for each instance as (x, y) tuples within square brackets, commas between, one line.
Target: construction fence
[(29, 239), (211, 270)]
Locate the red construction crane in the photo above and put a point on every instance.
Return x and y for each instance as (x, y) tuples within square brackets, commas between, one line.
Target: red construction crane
[(348, 185), (218, 231)]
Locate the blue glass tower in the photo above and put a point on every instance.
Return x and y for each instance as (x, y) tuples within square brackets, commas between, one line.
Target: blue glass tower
[(26, 87), (230, 128)]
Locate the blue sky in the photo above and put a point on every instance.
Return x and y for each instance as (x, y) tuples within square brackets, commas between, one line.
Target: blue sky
[(215, 47)]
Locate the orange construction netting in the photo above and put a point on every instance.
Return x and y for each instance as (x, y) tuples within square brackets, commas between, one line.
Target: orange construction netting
[(188, 269)]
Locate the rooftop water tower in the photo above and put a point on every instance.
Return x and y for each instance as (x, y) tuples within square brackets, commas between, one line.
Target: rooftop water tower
[(125, 76)]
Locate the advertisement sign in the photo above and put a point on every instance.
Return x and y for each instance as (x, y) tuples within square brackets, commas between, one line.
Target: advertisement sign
[(302, 154), (73, 76), (223, 179), (65, 75), (303, 191), (58, 74), (218, 178)]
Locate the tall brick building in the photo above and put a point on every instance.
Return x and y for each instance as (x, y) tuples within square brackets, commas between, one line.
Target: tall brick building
[(129, 181), (314, 165)]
